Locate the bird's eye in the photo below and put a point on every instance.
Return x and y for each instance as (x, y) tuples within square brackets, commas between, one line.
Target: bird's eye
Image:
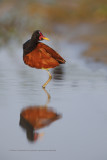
[(40, 33)]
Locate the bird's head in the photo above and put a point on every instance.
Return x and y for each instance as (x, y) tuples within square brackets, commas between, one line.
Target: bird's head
[(38, 36)]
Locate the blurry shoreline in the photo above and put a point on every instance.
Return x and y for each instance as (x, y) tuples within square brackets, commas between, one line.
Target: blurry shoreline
[(84, 21)]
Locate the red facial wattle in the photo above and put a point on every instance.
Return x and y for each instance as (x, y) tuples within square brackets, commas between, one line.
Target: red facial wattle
[(41, 37)]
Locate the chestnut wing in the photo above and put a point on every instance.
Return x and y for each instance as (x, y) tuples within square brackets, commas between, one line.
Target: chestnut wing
[(40, 58), (52, 53)]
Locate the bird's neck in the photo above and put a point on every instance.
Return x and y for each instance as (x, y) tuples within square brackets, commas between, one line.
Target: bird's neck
[(29, 46), (33, 42)]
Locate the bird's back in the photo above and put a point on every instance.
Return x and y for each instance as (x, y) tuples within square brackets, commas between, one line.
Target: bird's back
[(52, 53)]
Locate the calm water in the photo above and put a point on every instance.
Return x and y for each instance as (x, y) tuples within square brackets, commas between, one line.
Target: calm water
[(78, 94)]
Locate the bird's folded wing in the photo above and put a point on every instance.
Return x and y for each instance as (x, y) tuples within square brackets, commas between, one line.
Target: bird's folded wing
[(52, 53), (40, 58)]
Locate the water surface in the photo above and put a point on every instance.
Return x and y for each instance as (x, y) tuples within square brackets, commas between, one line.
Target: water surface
[(77, 93)]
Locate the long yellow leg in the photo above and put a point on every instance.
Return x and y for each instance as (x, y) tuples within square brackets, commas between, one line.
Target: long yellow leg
[(50, 77)]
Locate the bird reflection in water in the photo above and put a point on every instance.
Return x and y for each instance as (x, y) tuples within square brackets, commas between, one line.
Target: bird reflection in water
[(58, 73), (34, 118)]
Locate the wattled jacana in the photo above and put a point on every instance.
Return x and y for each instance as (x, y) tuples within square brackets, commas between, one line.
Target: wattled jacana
[(39, 55)]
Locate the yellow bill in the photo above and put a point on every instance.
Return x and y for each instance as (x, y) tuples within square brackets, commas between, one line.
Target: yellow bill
[(46, 38)]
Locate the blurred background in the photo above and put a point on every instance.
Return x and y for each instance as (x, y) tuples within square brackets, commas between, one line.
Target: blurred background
[(84, 21), (71, 116)]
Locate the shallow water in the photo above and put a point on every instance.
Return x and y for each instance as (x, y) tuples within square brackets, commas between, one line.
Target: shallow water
[(77, 94)]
